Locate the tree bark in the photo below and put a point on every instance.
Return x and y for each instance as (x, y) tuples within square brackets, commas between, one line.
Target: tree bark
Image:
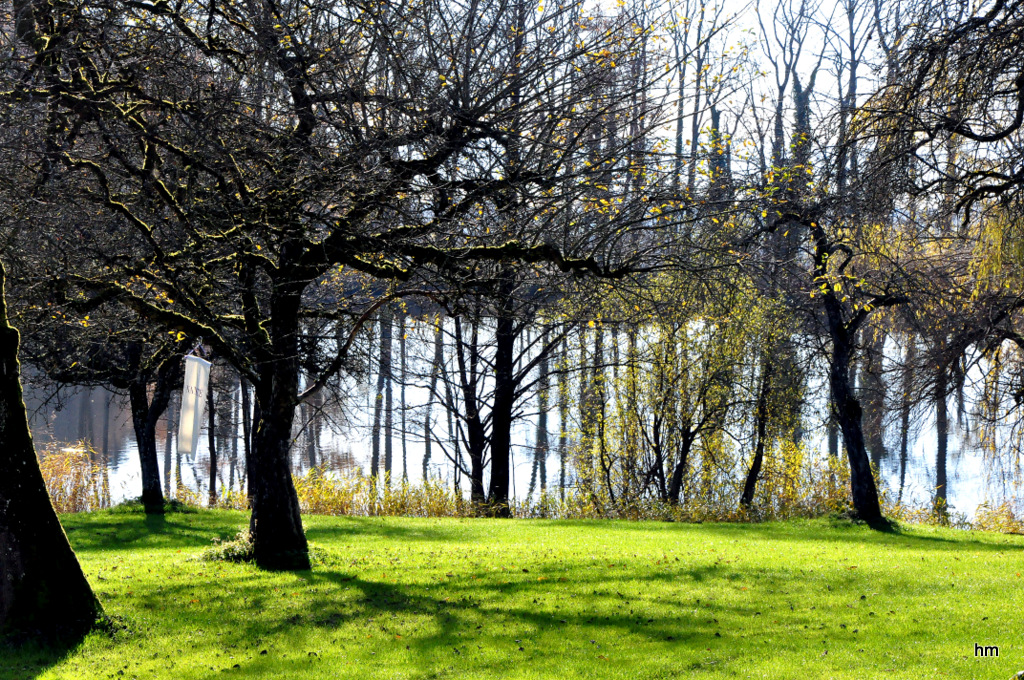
[(501, 416), (211, 437), (43, 590), (383, 377), (476, 437), (761, 416), (401, 394), (541, 446), (563, 414), (675, 486), (942, 438), (435, 371), (145, 415), (849, 414), (845, 406), (275, 524), (168, 445), (247, 437)]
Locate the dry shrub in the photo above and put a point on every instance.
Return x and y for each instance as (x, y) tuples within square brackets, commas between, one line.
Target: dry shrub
[(75, 477), (188, 497), (232, 499), (1006, 517), (323, 494)]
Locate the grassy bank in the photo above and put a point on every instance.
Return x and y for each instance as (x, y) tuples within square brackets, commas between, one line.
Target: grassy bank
[(451, 598)]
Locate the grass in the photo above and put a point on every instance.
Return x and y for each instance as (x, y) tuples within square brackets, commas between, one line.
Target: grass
[(470, 598)]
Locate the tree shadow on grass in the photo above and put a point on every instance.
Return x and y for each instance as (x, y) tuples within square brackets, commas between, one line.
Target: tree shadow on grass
[(121, 531), (28, 655), (468, 616), (462, 620), (821, 530), (448, 530), (845, 531)]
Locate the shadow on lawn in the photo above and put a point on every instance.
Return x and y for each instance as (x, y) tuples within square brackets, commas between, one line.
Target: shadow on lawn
[(448, 619), (109, 531), (22, 658), (841, 531), (466, 626), (449, 530)]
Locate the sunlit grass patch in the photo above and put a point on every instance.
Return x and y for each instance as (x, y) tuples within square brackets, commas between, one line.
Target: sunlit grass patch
[(472, 598)]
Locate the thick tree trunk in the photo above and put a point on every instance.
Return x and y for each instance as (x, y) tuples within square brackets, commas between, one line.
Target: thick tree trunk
[(845, 406), (145, 415), (849, 414), (43, 590), (275, 525), (675, 486), (476, 438), (761, 418), (501, 416), (145, 439)]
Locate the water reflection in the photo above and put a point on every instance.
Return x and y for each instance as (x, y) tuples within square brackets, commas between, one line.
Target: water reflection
[(103, 418)]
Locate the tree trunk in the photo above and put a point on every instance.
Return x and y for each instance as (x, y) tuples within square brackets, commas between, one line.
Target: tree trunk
[(563, 414), (233, 438), (501, 416), (873, 391), (848, 415), (145, 415), (833, 434), (145, 439), (675, 487), (275, 525), (211, 438), (43, 590), (389, 407), (541, 440), (844, 403), (942, 438), (383, 367), (435, 371), (247, 437), (401, 394), (761, 416), (168, 446), (908, 381), (476, 438)]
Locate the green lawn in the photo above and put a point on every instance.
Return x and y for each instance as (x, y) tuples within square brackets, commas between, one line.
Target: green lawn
[(442, 598)]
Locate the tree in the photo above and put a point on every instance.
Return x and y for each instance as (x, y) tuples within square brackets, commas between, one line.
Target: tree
[(43, 588), (110, 349), (249, 151)]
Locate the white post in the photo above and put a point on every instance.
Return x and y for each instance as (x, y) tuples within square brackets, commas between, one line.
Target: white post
[(193, 401)]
